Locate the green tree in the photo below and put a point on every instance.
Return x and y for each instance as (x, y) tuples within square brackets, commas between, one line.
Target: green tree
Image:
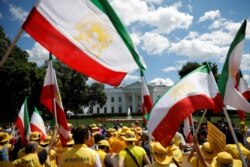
[(18, 79), (190, 66)]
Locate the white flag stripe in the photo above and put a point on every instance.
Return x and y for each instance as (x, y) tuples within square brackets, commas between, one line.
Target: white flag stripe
[(37, 121), (198, 82), (80, 15)]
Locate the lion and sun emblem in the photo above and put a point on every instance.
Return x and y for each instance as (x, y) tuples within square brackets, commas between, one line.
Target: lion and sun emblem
[(93, 35)]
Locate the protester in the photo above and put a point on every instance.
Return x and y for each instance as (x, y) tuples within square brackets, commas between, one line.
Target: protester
[(225, 159), (119, 143), (52, 153), (132, 155), (146, 144), (81, 154), (34, 158), (105, 156), (162, 156), (200, 160), (34, 136)]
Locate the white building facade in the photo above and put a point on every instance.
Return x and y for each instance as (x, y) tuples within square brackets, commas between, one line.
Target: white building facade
[(122, 99)]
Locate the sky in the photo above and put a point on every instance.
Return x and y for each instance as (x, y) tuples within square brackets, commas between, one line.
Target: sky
[(167, 33)]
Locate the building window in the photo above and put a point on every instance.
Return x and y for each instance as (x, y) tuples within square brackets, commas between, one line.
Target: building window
[(112, 110), (120, 109), (120, 99), (130, 98), (105, 110), (139, 98), (112, 99), (98, 110)]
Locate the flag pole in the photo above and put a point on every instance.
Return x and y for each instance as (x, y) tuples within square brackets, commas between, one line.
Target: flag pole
[(234, 136), (53, 78), (202, 118), (55, 112), (7, 53)]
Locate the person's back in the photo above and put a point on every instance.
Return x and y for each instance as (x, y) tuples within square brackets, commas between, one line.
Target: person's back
[(81, 154), (28, 160), (138, 153), (132, 155)]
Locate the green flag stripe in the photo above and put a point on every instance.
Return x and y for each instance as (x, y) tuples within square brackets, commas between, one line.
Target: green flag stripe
[(104, 6), (26, 118), (224, 75)]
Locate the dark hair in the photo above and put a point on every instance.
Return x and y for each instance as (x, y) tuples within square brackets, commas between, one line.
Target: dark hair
[(98, 137), (31, 147), (81, 133)]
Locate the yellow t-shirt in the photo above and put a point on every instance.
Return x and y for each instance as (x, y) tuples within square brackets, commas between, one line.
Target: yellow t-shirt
[(177, 154), (29, 160), (80, 156), (52, 158), (102, 155), (6, 164), (59, 151), (21, 152), (138, 153)]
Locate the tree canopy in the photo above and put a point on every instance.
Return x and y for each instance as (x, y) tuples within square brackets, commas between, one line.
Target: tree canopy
[(20, 78), (190, 66)]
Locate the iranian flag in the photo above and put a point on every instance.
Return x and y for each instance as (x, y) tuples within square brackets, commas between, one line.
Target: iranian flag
[(23, 123), (51, 98), (187, 128), (37, 124), (244, 90), (87, 35), (146, 99), (228, 78), (198, 90)]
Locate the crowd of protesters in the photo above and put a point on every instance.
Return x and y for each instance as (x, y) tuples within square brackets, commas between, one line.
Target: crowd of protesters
[(123, 146)]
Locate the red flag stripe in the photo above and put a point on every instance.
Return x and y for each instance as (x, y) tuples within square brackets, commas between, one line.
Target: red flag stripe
[(49, 37), (34, 128), (176, 115)]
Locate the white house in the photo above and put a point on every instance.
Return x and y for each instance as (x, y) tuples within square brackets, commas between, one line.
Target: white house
[(121, 99)]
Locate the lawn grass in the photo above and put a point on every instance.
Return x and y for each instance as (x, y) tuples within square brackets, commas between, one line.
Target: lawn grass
[(89, 120)]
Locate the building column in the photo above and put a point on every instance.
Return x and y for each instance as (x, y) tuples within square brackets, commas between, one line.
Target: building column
[(124, 103), (133, 103)]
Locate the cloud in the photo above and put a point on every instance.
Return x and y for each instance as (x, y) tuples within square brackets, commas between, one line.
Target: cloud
[(210, 15), (161, 19), (155, 1), (198, 49), (154, 43), (245, 62), (130, 11), (161, 82), (247, 79), (17, 13), (169, 69), (208, 45), (38, 54), (167, 19)]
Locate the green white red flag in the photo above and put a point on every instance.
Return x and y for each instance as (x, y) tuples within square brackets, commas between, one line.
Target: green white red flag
[(37, 124), (86, 35), (147, 103), (51, 98), (23, 123), (228, 79), (198, 90), (244, 90), (187, 128)]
